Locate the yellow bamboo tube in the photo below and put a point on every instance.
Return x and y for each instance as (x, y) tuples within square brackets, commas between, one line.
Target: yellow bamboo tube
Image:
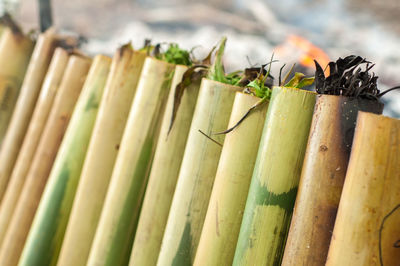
[(2, 28), (31, 140), (48, 227), (113, 240), (15, 52), (367, 230), (115, 231), (197, 172), (275, 179), (61, 111), (164, 174), (228, 198), (322, 178), (30, 89), (102, 152)]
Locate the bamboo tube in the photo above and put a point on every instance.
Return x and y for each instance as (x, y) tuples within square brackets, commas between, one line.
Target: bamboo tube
[(115, 231), (197, 172), (15, 52), (275, 178), (322, 177), (102, 152), (2, 28), (20, 223), (22, 114), (228, 198), (48, 227), (367, 228), (164, 174), (31, 140)]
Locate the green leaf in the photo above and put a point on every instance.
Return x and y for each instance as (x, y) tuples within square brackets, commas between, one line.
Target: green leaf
[(295, 80), (305, 82), (173, 54), (217, 71)]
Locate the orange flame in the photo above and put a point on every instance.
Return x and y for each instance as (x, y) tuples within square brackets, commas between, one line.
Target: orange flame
[(305, 50)]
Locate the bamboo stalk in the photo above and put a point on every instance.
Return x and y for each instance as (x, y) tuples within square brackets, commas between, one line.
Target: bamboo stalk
[(31, 140), (115, 231), (64, 102), (228, 198), (48, 227), (102, 152), (25, 105), (367, 228), (15, 52), (322, 177), (197, 172), (2, 28), (275, 178), (164, 174)]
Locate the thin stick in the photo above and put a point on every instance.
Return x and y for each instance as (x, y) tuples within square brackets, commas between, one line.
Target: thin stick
[(210, 138)]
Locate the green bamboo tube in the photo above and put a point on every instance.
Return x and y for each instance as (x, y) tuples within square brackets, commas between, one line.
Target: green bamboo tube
[(47, 232), (197, 172), (164, 174), (275, 178), (15, 52), (31, 140), (113, 240), (61, 111), (102, 152), (228, 198), (322, 178), (25, 105), (367, 228)]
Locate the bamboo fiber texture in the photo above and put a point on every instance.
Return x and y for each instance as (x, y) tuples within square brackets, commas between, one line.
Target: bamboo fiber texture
[(32, 137), (322, 178), (15, 52), (232, 181), (102, 152), (48, 227), (25, 105), (115, 232), (59, 117), (197, 172), (367, 228), (275, 178), (164, 173)]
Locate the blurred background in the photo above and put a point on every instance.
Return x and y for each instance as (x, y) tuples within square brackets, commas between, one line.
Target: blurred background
[(297, 31)]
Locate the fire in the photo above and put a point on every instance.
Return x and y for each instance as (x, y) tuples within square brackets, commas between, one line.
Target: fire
[(304, 50)]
